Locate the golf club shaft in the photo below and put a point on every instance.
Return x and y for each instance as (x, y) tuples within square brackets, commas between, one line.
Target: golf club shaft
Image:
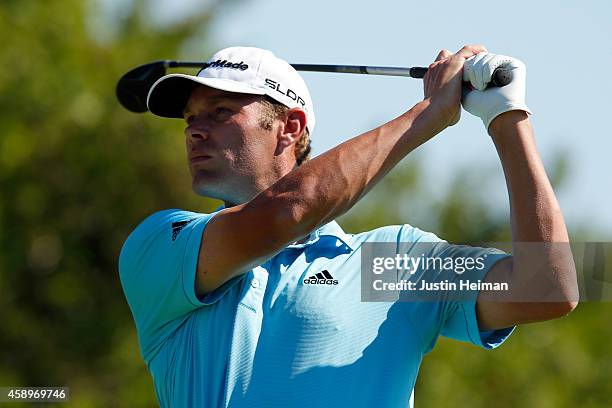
[(413, 72)]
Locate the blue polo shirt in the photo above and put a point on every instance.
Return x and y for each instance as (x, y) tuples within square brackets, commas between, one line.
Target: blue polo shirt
[(267, 338)]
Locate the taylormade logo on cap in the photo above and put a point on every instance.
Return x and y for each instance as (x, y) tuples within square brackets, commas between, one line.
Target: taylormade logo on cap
[(236, 69), (226, 64)]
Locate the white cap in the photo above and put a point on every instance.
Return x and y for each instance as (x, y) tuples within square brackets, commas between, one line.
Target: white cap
[(246, 70)]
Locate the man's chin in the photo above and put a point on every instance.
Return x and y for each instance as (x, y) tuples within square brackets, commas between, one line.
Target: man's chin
[(206, 189), (201, 190)]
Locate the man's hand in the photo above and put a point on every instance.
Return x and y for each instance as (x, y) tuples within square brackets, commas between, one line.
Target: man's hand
[(443, 81), (489, 103)]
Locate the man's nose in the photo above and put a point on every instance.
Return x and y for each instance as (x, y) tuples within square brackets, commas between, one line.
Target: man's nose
[(197, 131)]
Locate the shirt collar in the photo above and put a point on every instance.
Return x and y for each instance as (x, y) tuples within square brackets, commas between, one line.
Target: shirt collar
[(329, 230)]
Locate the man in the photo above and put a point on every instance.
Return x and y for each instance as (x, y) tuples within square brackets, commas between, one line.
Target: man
[(259, 303)]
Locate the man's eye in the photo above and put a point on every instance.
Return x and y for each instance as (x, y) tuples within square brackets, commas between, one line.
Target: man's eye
[(189, 119), (222, 111)]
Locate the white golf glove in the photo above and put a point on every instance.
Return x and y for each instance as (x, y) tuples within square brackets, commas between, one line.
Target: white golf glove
[(489, 103)]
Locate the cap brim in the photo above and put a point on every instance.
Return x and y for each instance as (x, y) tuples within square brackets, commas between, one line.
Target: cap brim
[(169, 94)]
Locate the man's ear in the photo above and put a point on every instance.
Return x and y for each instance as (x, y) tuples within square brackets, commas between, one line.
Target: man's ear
[(291, 129)]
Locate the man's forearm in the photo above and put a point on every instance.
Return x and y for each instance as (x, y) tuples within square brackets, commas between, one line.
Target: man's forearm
[(534, 210), (535, 214), (330, 184)]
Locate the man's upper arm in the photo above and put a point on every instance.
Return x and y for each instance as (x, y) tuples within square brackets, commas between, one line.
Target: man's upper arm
[(506, 309), (496, 314), (236, 240)]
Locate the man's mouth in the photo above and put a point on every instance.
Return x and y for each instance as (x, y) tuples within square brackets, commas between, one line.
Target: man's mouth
[(199, 158)]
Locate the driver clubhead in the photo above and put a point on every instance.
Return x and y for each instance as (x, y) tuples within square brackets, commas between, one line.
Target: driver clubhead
[(133, 87)]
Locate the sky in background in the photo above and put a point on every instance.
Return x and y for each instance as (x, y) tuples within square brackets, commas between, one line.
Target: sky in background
[(565, 44)]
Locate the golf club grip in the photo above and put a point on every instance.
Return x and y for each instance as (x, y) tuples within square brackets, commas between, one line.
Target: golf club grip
[(501, 76)]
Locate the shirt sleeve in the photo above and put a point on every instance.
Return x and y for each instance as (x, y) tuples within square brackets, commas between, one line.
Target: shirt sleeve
[(454, 311), (157, 267)]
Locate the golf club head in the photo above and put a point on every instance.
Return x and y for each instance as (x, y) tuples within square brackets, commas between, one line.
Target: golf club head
[(133, 87)]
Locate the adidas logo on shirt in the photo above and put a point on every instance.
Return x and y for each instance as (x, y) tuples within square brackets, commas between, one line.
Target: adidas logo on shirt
[(321, 278), (178, 226)]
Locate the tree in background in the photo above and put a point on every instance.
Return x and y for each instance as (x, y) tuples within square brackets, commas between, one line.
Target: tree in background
[(78, 173)]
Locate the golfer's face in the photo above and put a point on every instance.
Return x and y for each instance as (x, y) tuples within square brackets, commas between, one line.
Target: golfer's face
[(225, 143)]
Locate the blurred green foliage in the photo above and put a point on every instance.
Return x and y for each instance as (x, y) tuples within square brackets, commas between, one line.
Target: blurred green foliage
[(77, 173)]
